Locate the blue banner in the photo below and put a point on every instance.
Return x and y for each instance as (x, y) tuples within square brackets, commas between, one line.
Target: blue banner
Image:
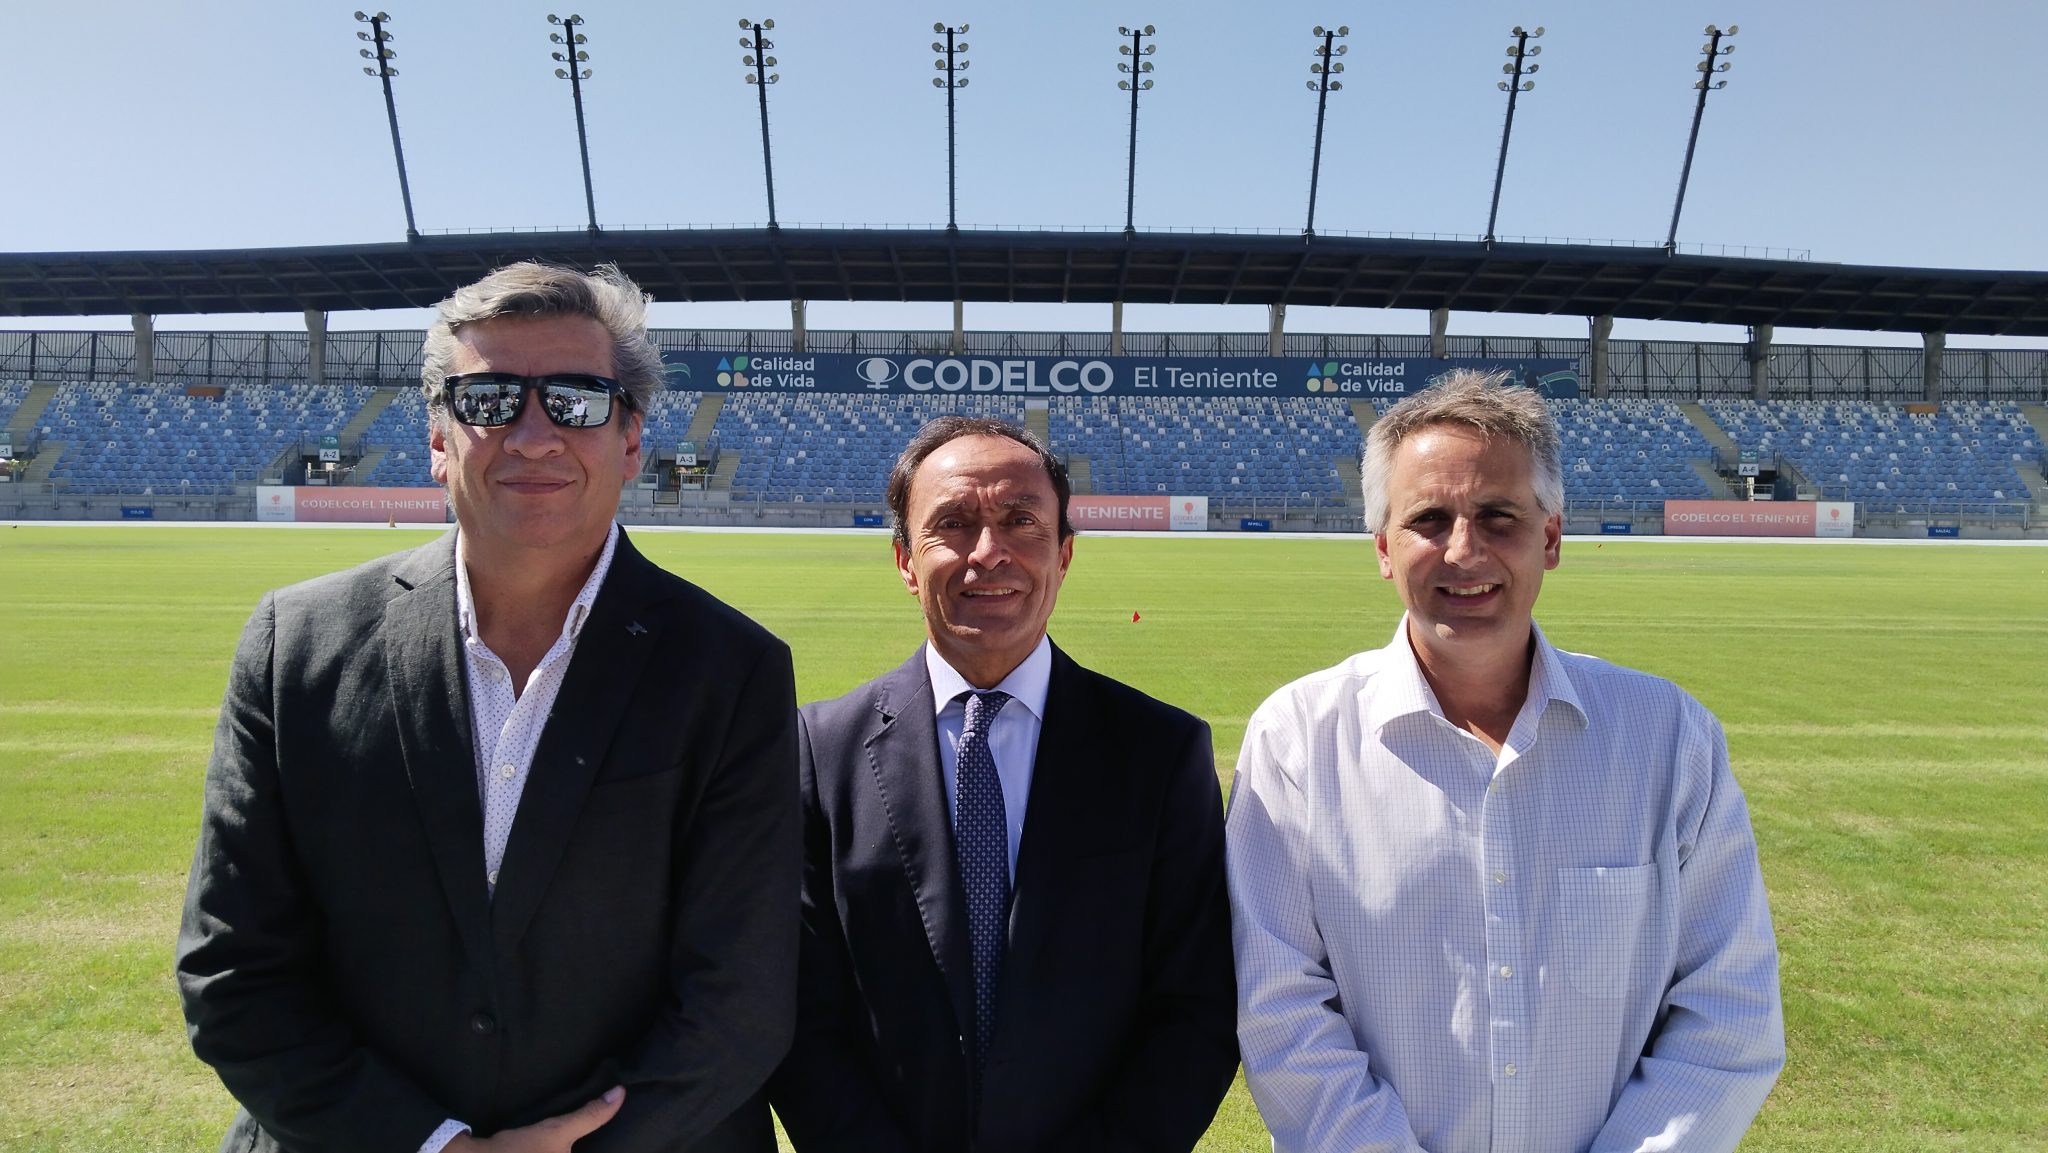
[(1617, 527), (137, 512), (1050, 376), (1944, 530), (870, 520), (1254, 524)]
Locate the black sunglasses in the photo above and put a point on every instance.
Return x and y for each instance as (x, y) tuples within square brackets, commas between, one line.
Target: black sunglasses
[(570, 399)]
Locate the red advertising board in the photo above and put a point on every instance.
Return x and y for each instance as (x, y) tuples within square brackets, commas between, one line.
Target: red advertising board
[(1128, 513), (1758, 518), (1140, 513), (418, 505)]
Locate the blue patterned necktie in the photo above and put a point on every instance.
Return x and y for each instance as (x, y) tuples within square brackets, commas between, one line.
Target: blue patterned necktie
[(981, 847)]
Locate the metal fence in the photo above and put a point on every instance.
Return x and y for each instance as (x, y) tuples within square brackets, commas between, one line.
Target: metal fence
[(1636, 368)]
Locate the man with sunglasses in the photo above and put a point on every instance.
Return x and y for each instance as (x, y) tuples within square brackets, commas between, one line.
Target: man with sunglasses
[(500, 839)]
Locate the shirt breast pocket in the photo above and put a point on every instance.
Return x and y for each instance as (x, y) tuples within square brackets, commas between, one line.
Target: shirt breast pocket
[(1604, 910)]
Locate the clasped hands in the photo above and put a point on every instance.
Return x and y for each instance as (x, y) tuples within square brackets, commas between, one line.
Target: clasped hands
[(553, 1135)]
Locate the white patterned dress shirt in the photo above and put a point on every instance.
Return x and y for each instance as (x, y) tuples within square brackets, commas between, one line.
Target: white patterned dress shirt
[(1562, 947), (505, 726), (1012, 739)]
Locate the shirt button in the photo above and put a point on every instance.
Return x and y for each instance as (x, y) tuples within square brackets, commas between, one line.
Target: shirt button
[(1500, 877), (1510, 1070), (482, 1024), (493, 876), (505, 772), (1505, 971)]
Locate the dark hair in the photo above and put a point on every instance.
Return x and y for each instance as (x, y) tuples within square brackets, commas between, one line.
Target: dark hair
[(941, 431)]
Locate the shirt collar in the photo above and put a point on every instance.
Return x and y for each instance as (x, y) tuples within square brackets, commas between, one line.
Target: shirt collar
[(1550, 680), (1027, 684), (1406, 691), (579, 611)]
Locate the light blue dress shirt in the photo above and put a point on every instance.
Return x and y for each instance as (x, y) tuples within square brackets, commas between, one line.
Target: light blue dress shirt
[(1013, 738), (1562, 947)]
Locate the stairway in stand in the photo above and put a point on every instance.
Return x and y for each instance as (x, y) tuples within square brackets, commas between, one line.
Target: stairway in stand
[(707, 415), (31, 411), (1080, 476)]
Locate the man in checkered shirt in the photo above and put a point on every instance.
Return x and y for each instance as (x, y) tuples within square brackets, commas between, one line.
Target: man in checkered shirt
[(1488, 895)]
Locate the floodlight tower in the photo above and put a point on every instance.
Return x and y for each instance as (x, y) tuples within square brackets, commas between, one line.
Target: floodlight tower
[(573, 55), (1324, 70), (1136, 68), (381, 54), (954, 62), (1514, 86), (1713, 65), (757, 58)]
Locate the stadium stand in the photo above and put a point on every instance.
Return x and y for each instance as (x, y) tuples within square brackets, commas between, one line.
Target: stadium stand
[(835, 449), (400, 430), (11, 394), (1628, 450), (1228, 448), (831, 448), (1882, 455), (136, 438), (668, 422)]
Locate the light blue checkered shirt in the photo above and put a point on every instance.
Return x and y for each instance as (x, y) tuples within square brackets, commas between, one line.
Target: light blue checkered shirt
[(1565, 946)]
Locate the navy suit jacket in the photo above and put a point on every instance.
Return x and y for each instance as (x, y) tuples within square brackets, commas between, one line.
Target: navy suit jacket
[(1116, 1012), (342, 965)]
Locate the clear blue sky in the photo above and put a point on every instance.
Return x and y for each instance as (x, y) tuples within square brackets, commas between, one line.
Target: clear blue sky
[(1870, 132)]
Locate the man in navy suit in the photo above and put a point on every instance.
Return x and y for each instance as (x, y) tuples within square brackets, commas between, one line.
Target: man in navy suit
[(1015, 926)]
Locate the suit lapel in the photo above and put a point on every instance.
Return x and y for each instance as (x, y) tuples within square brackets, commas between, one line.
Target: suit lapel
[(611, 653), (903, 759), (430, 700), (1067, 750)]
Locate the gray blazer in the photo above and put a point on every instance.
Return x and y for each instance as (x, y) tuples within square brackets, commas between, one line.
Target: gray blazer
[(341, 965)]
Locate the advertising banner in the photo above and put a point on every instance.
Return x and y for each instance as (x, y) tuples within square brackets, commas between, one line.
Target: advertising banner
[(1140, 513), (940, 374), (405, 505), (1763, 518), (1834, 518), (276, 502)]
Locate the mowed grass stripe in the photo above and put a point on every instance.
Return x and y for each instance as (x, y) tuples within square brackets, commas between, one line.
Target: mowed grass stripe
[(1884, 708)]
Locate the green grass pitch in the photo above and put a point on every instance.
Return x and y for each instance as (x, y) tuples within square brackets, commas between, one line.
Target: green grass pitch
[(1887, 709)]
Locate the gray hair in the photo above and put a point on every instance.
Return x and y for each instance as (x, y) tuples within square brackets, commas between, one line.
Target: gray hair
[(531, 288), (1475, 400)]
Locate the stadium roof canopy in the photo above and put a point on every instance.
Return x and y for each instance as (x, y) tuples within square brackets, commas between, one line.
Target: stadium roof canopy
[(864, 264)]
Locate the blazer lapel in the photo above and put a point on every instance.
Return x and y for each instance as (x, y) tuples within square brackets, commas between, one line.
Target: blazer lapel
[(430, 701), (612, 651), (1060, 791), (903, 757)]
